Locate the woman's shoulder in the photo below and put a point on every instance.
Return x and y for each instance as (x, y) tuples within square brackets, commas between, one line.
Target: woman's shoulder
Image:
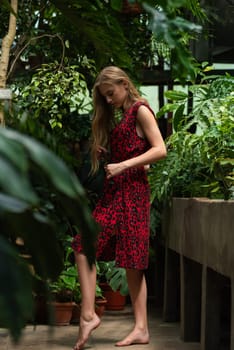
[(140, 103)]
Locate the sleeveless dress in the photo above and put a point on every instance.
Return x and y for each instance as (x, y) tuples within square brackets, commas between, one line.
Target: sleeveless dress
[(123, 211)]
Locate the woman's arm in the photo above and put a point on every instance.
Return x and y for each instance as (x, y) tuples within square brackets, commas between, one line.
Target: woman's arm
[(146, 127)]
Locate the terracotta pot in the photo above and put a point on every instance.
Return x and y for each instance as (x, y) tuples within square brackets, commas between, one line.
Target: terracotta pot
[(100, 306), (115, 300), (62, 313), (75, 319)]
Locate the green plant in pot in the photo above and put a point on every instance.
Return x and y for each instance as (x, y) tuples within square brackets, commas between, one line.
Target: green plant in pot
[(113, 282), (55, 300), (64, 291), (66, 287)]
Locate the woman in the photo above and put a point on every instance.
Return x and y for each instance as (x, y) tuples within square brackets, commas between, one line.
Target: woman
[(123, 211)]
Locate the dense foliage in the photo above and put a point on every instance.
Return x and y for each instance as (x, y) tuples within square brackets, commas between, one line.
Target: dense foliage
[(104, 31), (40, 197), (200, 163), (55, 107)]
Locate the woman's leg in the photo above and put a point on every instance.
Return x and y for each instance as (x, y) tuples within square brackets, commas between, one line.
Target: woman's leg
[(88, 318), (138, 293)]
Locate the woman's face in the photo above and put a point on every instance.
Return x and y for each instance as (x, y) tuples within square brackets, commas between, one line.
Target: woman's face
[(115, 94)]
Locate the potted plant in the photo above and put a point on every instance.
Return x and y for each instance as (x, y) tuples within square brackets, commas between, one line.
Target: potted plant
[(113, 282), (63, 292), (67, 287), (55, 300)]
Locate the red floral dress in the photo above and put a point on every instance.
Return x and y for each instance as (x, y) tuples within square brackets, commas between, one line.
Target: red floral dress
[(123, 211)]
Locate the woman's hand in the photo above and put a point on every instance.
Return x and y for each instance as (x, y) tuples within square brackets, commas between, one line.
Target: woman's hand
[(114, 169), (102, 152)]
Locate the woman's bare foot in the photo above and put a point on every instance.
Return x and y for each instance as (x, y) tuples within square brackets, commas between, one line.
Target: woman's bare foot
[(85, 329), (135, 337)]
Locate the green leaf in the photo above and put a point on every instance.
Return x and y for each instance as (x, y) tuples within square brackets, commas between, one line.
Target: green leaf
[(12, 204), (227, 161), (176, 3), (169, 107), (116, 4), (16, 183), (54, 167), (175, 95), (178, 117), (116, 277), (14, 152), (40, 240)]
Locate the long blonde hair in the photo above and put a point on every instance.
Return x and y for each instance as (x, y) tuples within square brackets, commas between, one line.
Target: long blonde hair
[(103, 118)]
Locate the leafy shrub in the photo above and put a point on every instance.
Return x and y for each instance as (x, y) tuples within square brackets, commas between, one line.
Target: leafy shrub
[(198, 164)]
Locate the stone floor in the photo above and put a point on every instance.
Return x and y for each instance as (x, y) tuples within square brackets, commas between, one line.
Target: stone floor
[(115, 325)]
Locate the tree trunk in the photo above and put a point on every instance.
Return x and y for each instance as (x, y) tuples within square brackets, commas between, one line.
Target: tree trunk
[(5, 50)]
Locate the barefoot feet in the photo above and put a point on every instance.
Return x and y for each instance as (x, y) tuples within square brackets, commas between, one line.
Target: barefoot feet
[(135, 337), (85, 329)]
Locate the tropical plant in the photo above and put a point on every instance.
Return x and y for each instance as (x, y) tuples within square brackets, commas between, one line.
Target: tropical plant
[(165, 19), (115, 276), (170, 27), (66, 287), (55, 108), (199, 164), (76, 29), (24, 165), (59, 98)]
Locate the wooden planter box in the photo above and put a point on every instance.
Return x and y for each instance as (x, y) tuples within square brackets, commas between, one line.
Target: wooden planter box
[(199, 269)]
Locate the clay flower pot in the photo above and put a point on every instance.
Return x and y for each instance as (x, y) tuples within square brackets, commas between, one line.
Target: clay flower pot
[(100, 306), (62, 313), (115, 300)]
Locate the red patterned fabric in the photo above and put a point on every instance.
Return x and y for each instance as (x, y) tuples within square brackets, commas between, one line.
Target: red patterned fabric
[(123, 211)]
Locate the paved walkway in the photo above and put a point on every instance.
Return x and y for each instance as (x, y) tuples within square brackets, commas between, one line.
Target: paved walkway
[(115, 325)]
